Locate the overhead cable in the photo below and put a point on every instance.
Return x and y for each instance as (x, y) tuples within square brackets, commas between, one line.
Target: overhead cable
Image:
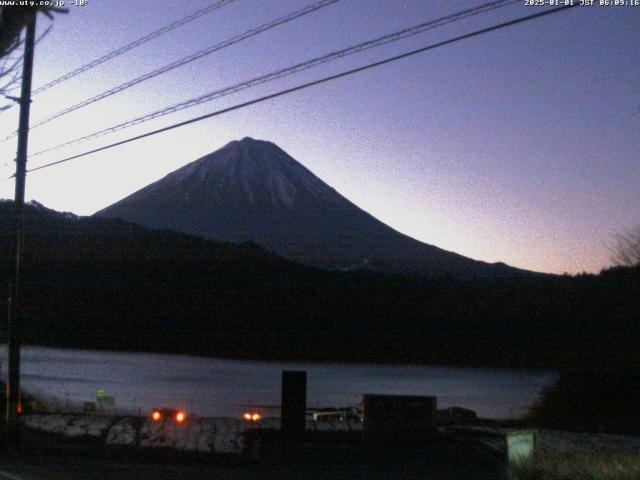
[(307, 85), (136, 43), (183, 61), (377, 42)]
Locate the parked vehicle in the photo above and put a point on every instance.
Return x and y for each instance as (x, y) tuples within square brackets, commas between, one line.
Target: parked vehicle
[(172, 414)]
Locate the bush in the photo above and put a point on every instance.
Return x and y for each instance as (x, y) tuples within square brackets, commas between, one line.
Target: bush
[(595, 401)]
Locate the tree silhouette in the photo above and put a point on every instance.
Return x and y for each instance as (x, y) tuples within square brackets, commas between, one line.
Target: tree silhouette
[(626, 247)]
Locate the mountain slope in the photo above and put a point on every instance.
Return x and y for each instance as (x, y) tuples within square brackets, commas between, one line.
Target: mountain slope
[(252, 190)]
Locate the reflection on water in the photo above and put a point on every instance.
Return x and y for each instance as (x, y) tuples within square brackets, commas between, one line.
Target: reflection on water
[(215, 387)]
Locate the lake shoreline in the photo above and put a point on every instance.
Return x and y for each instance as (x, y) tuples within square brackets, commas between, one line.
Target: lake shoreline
[(214, 387), (308, 357)]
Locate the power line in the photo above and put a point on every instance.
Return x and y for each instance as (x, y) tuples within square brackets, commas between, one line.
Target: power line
[(136, 43), (309, 84), (379, 41), (188, 59), (12, 83)]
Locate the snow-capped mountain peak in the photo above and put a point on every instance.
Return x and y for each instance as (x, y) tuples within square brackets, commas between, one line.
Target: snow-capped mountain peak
[(244, 173), (252, 190)]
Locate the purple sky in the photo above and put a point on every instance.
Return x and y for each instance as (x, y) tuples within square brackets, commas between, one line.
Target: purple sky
[(518, 146)]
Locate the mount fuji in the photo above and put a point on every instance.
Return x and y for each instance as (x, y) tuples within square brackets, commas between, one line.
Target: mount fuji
[(252, 190)]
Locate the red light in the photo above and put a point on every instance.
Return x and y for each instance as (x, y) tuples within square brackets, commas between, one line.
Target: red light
[(156, 416), (180, 417), (19, 408), (252, 417)]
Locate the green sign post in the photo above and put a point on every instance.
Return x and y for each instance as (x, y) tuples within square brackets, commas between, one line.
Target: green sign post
[(520, 445)]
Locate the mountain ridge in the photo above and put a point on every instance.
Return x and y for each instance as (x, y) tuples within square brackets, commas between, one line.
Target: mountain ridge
[(252, 190)]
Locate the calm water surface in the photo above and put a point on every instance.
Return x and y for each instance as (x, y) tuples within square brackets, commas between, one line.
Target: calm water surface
[(212, 387)]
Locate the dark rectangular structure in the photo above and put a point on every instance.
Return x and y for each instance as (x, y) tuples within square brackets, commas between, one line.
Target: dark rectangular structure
[(398, 416), (294, 401)]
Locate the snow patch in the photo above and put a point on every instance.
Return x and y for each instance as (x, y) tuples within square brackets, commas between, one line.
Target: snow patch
[(219, 435), (122, 432), (70, 425)]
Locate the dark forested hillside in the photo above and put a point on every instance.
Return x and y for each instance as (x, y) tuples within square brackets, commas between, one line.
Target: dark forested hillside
[(99, 283)]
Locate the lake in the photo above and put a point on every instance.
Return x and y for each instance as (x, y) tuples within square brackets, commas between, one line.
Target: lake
[(214, 387)]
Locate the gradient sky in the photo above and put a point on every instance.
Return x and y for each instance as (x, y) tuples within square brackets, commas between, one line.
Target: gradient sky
[(518, 146)]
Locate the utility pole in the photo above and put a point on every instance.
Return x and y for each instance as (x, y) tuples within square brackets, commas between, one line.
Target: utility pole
[(14, 330)]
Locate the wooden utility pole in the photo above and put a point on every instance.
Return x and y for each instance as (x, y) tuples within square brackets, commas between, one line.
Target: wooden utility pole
[(14, 330)]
